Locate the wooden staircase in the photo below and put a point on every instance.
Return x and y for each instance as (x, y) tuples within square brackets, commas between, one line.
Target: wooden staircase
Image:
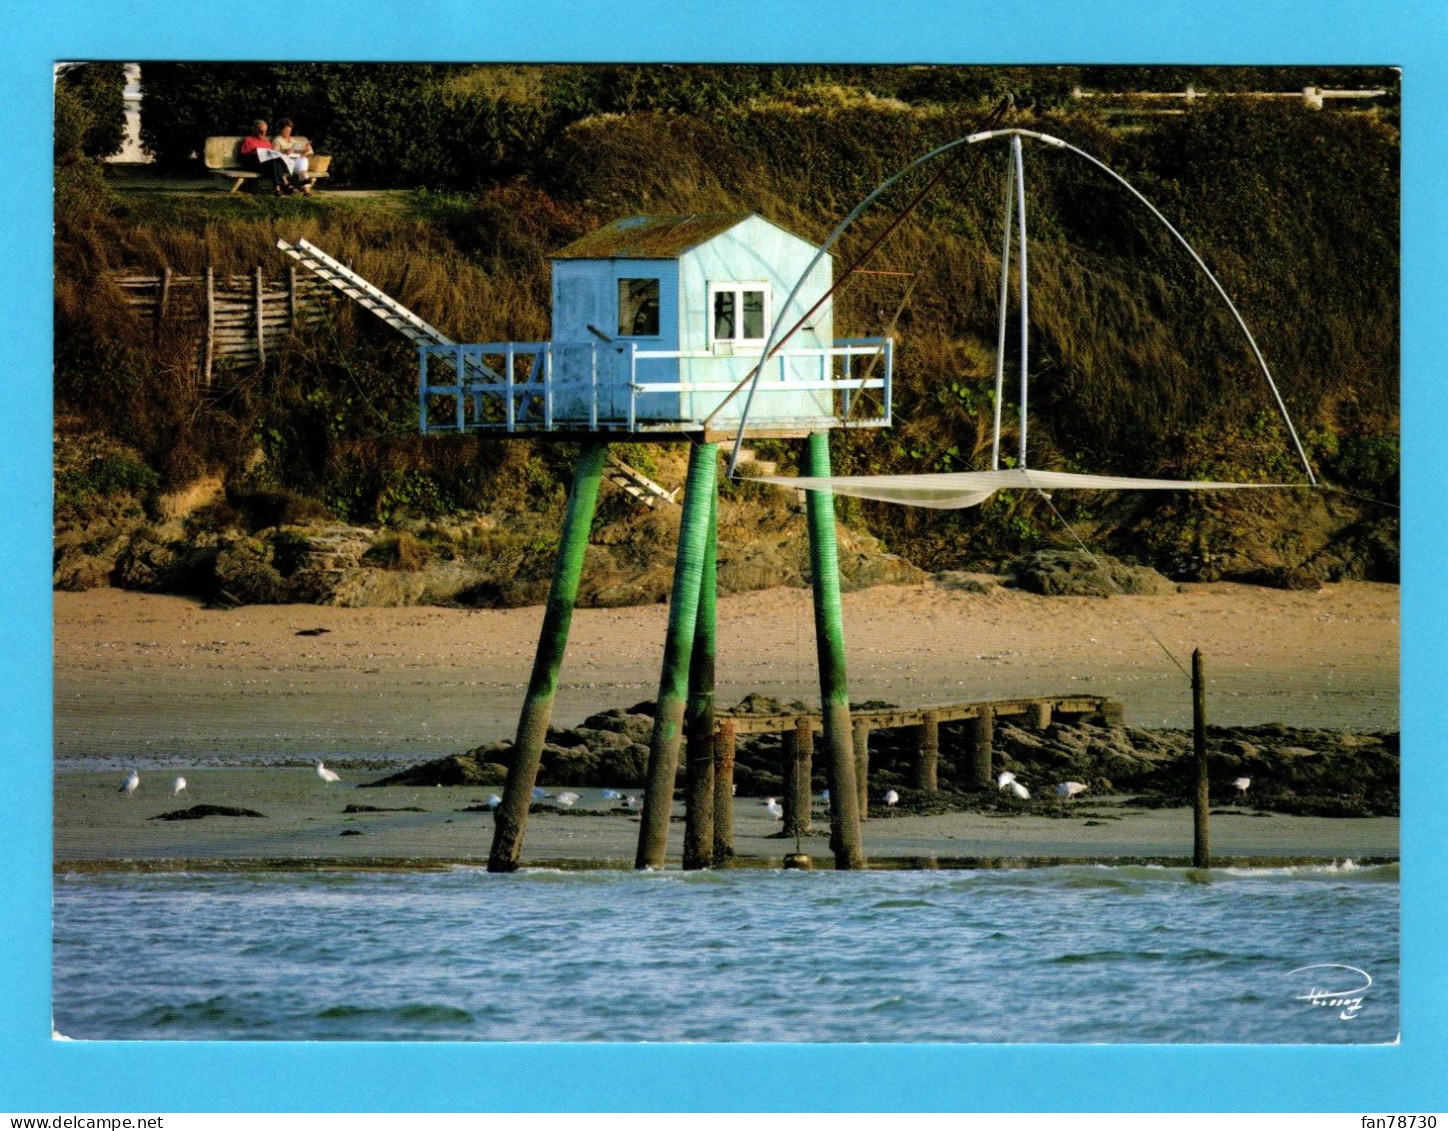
[(634, 482)]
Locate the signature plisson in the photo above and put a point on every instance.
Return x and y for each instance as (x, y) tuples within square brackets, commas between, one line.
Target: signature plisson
[(1348, 1001)]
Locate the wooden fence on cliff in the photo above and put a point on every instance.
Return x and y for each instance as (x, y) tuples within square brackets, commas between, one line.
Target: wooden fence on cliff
[(240, 317)]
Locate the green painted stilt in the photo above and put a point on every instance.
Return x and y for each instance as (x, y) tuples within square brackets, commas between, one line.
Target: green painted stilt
[(511, 817), (699, 718), (830, 643), (678, 651)]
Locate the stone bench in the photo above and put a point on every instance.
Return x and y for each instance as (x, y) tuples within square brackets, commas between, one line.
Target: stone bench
[(222, 157)]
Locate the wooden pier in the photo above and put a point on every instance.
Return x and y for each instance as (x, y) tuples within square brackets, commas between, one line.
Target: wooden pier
[(797, 731)]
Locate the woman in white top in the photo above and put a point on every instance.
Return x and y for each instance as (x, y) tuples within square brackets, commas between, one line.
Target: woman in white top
[(296, 151)]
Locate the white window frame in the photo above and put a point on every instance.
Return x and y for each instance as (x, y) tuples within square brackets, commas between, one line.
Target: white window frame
[(738, 289)]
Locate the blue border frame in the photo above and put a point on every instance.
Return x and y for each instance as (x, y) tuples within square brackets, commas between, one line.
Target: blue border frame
[(38, 1074)]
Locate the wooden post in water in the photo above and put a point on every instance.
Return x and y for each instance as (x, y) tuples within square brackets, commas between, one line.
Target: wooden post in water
[(797, 768), (824, 554), (981, 733), (723, 791), (861, 733), (1201, 825), (699, 490), (511, 816), (927, 752), (1040, 715), (699, 717)]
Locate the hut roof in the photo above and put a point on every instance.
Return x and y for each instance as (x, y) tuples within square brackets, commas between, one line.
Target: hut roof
[(651, 237)]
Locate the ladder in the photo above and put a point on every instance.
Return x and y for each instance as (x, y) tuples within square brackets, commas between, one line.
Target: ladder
[(634, 482), (387, 308)]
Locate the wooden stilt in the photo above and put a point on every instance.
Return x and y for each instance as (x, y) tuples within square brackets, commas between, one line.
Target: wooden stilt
[(1201, 823), (981, 734), (678, 652), (511, 817), (927, 752), (797, 767), (723, 792), (1040, 715), (861, 733)]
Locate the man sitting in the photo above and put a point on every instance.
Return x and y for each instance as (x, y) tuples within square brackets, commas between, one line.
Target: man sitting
[(256, 146)]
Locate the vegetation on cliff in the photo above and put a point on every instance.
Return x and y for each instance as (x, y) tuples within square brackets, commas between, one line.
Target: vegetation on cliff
[(1136, 366)]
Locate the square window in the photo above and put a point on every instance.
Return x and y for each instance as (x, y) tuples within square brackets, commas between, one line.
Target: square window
[(638, 308), (739, 312)]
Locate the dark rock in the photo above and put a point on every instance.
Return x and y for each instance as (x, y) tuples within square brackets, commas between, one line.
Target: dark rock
[(196, 812), (1074, 573)]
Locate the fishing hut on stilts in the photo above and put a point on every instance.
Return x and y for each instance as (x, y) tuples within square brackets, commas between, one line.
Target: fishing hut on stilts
[(657, 322)]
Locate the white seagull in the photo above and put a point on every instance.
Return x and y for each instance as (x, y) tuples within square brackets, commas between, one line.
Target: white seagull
[(1005, 779), (494, 801), (611, 795), (1069, 789), (566, 799), (1019, 790), (774, 808), (326, 775), (891, 797), (131, 784), (632, 803), (178, 785), (1241, 785), (539, 793)]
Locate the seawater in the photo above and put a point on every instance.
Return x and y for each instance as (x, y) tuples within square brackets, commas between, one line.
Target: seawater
[(1057, 954)]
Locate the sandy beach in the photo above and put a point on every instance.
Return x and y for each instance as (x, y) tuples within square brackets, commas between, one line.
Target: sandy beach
[(241, 700), (140, 675)]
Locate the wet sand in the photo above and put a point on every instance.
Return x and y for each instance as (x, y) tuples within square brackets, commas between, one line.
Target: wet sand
[(240, 702), (305, 823)]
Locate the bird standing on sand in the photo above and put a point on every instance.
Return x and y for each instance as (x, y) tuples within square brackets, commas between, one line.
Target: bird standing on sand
[(611, 795), (539, 793), (1241, 784), (566, 799), (131, 784), (494, 801), (178, 786), (632, 803), (774, 808), (326, 775), (1069, 789), (891, 797)]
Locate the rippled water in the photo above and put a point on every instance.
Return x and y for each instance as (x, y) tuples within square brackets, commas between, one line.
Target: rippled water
[(1070, 954)]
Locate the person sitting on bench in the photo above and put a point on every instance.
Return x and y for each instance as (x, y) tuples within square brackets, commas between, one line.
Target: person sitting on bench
[(256, 146), (295, 152)]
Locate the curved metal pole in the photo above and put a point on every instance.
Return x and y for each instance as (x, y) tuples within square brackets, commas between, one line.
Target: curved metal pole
[(1000, 375), (987, 135), (1025, 282)]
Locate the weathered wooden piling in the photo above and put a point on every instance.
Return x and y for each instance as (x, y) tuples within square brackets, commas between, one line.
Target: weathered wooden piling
[(830, 645), (980, 734), (678, 652), (1040, 714), (1201, 812), (861, 733), (511, 817), (797, 768), (927, 752), (723, 791), (699, 716)]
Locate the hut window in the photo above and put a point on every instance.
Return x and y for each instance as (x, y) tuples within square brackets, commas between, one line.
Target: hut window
[(638, 308), (739, 312)]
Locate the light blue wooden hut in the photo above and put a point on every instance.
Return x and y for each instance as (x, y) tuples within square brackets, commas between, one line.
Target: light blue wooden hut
[(656, 321)]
